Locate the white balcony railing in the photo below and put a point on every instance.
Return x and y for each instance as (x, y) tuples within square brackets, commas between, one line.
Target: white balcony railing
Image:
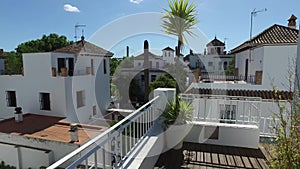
[(112, 148)]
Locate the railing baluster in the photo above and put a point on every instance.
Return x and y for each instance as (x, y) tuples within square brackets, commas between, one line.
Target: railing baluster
[(103, 158), (95, 160), (130, 137), (86, 164), (126, 141), (138, 123)]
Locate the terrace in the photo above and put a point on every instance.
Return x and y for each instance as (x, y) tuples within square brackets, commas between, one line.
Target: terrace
[(138, 141)]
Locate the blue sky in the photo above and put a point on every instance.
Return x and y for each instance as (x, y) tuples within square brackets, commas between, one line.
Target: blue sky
[(26, 20)]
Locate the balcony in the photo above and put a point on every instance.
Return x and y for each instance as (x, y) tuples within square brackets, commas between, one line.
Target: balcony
[(137, 141)]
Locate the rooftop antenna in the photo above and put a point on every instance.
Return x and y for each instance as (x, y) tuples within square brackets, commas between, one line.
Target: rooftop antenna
[(76, 27)]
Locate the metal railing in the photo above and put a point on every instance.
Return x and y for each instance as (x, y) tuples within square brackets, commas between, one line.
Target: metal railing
[(250, 79), (111, 148), (248, 110), (225, 109)]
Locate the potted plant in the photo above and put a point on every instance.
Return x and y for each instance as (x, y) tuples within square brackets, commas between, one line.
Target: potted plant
[(175, 120)]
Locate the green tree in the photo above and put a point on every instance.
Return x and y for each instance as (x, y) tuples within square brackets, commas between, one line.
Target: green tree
[(164, 81), (179, 20), (230, 68), (13, 63), (45, 44), (285, 152), (114, 63), (48, 43)]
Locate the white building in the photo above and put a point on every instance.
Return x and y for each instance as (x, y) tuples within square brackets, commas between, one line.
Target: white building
[(72, 82), (39, 140), (268, 56), (213, 62), (168, 55)]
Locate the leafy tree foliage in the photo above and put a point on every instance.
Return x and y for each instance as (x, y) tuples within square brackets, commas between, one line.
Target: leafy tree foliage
[(45, 44), (48, 43), (285, 152), (13, 63), (179, 19), (230, 68), (164, 81), (114, 63)]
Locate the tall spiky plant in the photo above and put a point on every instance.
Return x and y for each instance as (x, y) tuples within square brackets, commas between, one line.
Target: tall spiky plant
[(179, 20)]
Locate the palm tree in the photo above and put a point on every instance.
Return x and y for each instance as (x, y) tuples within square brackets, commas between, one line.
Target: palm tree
[(179, 20)]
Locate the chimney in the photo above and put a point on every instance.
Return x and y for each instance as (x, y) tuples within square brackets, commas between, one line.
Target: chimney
[(18, 114), (292, 22), (146, 71), (191, 52), (74, 132), (127, 51)]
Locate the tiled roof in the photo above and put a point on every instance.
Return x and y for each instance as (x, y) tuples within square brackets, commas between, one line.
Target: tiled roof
[(168, 48), (151, 56), (264, 94), (215, 42), (276, 34), (84, 46)]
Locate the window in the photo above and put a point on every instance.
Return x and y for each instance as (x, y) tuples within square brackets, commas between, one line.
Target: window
[(150, 64), (104, 66), (169, 54), (225, 65), (139, 64), (11, 98), (210, 63), (220, 65), (80, 98), (227, 113), (157, 65), (142, 78), (153, 77), (94, 110), (45, 101), (219, 50), (61, 62)]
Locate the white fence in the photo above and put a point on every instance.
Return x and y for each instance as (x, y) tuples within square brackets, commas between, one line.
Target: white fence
[(112, 147), (235, 110)]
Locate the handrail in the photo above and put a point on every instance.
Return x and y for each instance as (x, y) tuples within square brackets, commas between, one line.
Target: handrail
[(92, 141)]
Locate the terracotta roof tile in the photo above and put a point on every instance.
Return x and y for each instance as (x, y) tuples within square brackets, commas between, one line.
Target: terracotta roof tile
[(264, 94), (168, 48), (215, 42), (84, 46), (151, 56), (276, 34)]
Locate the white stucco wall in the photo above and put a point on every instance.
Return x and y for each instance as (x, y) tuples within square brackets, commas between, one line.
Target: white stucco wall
[(277, 62), (25, 152), (38, 78), (274, 61), (139, 64), (168, 56), (215, 60)]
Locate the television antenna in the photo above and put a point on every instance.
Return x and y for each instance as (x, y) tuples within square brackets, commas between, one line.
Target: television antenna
[(77, 26)]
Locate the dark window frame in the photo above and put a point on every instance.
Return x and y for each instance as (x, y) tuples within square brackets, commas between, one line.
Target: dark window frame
[(45, 101), (104, 66), (11, 98), (80, 98)]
